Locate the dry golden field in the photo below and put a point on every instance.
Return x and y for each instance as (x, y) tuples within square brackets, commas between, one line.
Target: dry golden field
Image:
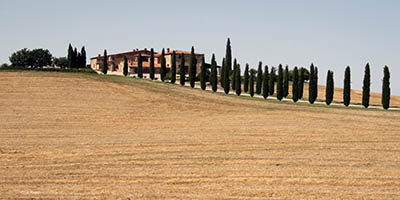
[(73, 136)]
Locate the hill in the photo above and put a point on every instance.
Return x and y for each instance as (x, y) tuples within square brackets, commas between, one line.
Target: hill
[(66, 135)]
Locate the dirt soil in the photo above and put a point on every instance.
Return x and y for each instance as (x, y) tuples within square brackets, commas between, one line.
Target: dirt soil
[(74, 136)]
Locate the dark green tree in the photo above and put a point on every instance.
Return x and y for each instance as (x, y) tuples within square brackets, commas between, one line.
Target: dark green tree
[(295, 85), (125, 70), (163, 69), (286, 82), (152, 64), (105, 64), (265, 82), (386, 88), (246, 79), (272, 79), (213, 75), (182, 76), (228, 66), (83, 57), (173, 67), (203, 74), (69, 56), (140, 66), (221, 78), (330, 88), (279, 85), (238, 80), (192, 68), (234, 74), (60, 62), (75, 58), (347, 87), (251, 83), (366, 86), (311, 97), (301, 83), (259, 78), (315, 83)]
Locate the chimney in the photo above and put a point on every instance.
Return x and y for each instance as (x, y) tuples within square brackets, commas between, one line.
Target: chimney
[(145, 49), (167, 50), (99, 55)]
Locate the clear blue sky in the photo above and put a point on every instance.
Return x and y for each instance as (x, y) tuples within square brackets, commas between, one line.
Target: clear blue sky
[(331, 34)]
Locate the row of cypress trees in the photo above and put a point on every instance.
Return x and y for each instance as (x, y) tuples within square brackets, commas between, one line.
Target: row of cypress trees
[(76, 59), (264, 82)]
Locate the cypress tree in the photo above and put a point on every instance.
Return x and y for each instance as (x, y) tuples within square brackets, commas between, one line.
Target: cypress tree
[(83, 57), (386, 88), (259, 78), (105, 64), (279, 86), (246, 78), (234, 74), (182, 70), (152, 64), (330, 88), (347, 87), (311, 85), (265, 82), (74, 58), (251, 83), (366, 86), (192, 68), (228, 66), (203, 74), (221, 78), (301, 83), (213, 75), (125, 70), (163, 69), (315, 83), (140, 66), (295, 85), (173, 67), (286, 82), (70, 52), (272, 78), (238, 81)]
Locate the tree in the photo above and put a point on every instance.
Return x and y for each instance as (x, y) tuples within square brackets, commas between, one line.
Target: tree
[(234, 74), (60, 62), (105, 64), (272, 79), (251, 83), (70, 52), (295, 85), (265, 82), (74, 58), (330, 88), (386, 88), (301, 83), (347, 87), (203, 74), (366, 86), (140, 66), (228, 66), (83, 58), (238, 81), (152, 64), (246, 78), (259, 78), (279, 86), (286, 82), (163, 70), (315, 83), (39, 58), (213, 74), (192, 68), (173, 67), (125, 70), (221, 78), (311, 97), (182, 70), (21, 58)]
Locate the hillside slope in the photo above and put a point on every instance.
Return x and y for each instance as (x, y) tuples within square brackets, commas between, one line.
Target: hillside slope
[(88, 136)]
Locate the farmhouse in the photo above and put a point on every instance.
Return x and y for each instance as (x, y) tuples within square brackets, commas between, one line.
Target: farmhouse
[(116, 61)]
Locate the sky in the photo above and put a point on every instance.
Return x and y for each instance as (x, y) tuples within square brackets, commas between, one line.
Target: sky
[(330, 34)]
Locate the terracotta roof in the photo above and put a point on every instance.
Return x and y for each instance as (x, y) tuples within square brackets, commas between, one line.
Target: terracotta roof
[(145, 51), (180, 52)]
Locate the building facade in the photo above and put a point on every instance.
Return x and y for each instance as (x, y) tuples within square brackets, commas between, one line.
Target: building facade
[(116, 61)]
